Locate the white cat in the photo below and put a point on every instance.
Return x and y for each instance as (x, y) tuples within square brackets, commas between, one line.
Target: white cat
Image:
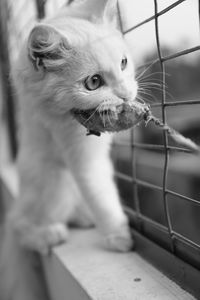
[(77, 59)]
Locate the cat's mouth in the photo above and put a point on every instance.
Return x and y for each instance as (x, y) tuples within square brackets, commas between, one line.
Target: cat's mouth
[(112, 119)]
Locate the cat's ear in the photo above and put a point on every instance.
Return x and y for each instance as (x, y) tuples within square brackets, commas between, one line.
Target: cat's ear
[(110, 13), (97, 10), (47, 48)]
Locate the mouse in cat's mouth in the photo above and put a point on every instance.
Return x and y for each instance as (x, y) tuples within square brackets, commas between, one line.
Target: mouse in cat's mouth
[(114, 119), (123, 117)]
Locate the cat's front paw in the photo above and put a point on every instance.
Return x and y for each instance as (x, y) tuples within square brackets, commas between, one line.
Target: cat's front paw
[(53, 235), (120, 240), (43, 238)]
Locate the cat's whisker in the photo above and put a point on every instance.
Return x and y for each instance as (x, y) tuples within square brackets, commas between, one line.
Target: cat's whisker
[(150, 84), (108, 117), (106, 113), (154, 81), (152, 74), (157, 88), (148, 92), (150, 99), (144, 92), (148, 63), (145, 70), (145, 99), (102, 115), (113, 114), (104, 119), (142, 99), (148, 87), (91, 115), (156, 84)]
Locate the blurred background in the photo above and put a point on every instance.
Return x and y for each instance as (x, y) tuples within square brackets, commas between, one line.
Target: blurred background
[(161, 183), (165, 185)]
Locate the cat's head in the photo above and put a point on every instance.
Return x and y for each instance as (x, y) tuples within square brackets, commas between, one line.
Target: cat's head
[(81, 61)]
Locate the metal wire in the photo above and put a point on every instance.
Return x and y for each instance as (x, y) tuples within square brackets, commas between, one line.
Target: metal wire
[(134, 182), (154, 147), (156, 15), (146, 184), (181, 53), (164, 229), (177, 103), (165, 136)]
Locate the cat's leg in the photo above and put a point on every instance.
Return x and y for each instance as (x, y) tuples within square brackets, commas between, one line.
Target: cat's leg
[(94, 173), (82, 216), (46, 200)]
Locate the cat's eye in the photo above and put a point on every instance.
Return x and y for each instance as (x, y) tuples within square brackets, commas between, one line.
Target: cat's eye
[(124, 63), (94, 82)]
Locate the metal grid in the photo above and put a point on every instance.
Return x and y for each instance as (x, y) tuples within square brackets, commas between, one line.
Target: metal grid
[(165, 236)]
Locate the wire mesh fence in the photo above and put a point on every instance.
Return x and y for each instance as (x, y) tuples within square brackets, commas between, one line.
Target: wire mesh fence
[(171, 237)]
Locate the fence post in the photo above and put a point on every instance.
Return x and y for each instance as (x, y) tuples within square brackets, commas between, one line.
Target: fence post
[(7, 90)]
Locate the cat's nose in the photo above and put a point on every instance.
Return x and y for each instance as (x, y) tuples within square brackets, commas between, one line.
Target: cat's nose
[(127, 93), (132, 93)]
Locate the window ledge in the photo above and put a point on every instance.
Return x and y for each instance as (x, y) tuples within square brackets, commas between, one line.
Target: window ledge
[(82, 270)]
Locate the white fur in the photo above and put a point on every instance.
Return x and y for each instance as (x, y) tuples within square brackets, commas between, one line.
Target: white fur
[(65, 176)]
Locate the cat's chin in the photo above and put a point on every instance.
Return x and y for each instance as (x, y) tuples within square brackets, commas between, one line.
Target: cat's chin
[(114, 119)]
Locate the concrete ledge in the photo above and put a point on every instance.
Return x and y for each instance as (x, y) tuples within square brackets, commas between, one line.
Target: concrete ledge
[(82, 270)]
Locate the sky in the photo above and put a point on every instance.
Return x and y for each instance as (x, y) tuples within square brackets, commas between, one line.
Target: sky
[(178, 29)]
